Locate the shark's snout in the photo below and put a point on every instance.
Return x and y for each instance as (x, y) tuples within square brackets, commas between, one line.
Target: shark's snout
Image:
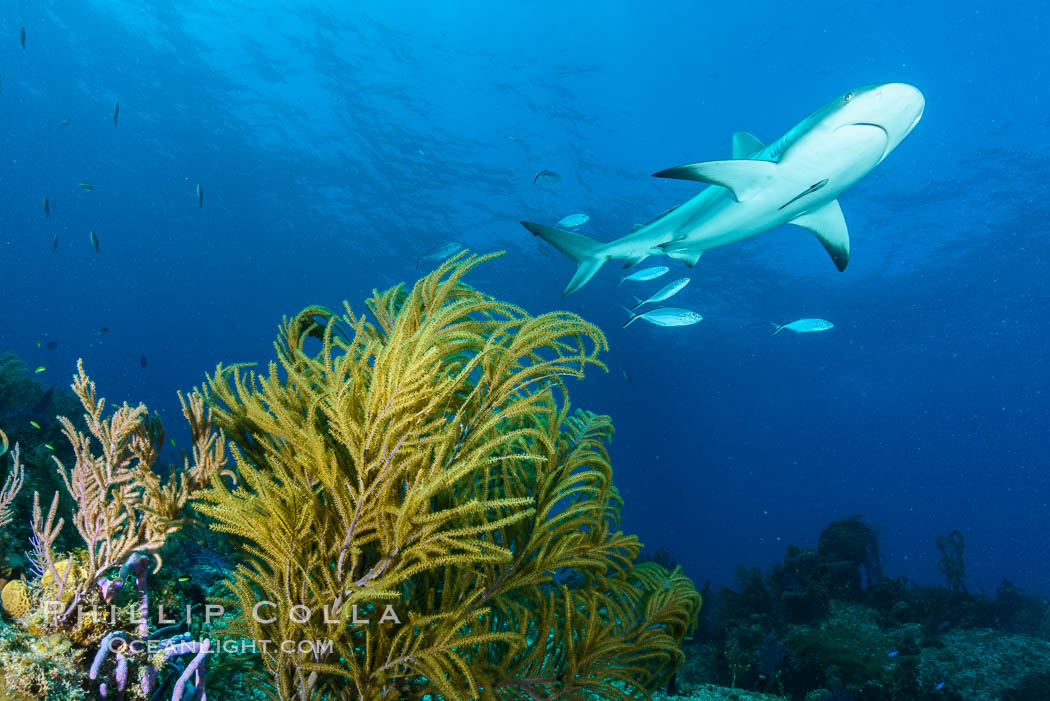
[(908, 100), (896, 108)]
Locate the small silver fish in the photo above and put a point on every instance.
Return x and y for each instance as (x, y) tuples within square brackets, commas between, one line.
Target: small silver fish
[(200, 195), (47, 208), (94, 242), (22, 37), (54, 243), (439, 252), (86, 186), (547, 176), (666, 316), (803, 326), (646, 274), (572, 221), (116, 112), (66, 121), (666, 292)]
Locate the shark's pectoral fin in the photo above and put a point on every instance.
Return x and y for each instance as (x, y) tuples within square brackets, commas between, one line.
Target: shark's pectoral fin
[(743, 177), (687, 257), (746, 145), (829, 226)]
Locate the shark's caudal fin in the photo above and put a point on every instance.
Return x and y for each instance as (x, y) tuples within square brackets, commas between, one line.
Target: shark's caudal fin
[(581, 249), (829, 226), (776, 328)]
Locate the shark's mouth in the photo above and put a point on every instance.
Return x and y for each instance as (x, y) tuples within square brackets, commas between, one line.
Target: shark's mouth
[(883, 135), (871, 124)]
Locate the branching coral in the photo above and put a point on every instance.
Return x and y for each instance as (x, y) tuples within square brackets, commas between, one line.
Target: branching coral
[(124, 513), (121, 505), (12, 485), (429, 463)]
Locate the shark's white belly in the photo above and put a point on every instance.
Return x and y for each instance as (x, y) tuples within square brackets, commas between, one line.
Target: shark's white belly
[(715, 218)]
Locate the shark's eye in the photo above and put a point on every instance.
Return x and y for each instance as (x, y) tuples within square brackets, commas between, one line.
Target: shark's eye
[(848, 97)]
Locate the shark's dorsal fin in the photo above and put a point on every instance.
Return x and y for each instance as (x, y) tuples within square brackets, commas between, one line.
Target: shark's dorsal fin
[(829, 226), (743, 177), (746, 145)]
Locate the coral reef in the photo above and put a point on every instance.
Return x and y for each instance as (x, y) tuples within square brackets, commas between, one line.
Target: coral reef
[(39, 667), (124, 514), (423, 472), (807, 629), (851, 546), (122, 507), (428, 467), (951, 564)]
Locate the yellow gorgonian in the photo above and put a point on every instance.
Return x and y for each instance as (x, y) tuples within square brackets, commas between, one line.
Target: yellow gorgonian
[(423, 465)]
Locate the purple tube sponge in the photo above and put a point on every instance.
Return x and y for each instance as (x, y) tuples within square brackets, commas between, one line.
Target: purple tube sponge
[(195, 669)]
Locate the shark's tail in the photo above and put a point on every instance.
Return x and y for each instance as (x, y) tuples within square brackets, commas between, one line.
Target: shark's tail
[(776, 328), (581, 249)]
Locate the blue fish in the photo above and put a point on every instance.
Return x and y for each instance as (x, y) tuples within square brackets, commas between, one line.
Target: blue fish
[(646, 274), (893, 653), (547, 176), (573, 220)]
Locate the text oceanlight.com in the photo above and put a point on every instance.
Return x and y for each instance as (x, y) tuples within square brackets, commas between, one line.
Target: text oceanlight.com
[(230, 646)]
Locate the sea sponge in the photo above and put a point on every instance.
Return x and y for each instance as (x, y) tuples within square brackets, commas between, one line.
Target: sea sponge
[(15, 597)]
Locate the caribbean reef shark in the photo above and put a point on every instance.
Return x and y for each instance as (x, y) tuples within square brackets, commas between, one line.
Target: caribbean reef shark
[(795, 180)]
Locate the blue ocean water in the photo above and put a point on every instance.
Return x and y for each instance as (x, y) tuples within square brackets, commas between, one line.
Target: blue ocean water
[(336, 142)]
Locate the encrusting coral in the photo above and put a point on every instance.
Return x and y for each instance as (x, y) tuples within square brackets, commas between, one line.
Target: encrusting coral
[(424, 473)]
